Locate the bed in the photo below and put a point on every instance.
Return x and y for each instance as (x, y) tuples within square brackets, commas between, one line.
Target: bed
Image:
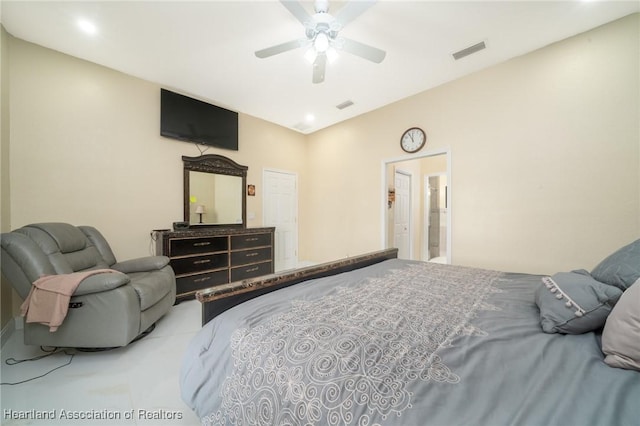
[(378, 340)]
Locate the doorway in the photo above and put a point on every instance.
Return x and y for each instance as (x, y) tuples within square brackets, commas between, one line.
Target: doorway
[(280, 209), (435, 209), (422, 223)]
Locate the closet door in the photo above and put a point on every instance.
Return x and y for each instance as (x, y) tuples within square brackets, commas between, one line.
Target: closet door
[(280, 209), (402, 215)]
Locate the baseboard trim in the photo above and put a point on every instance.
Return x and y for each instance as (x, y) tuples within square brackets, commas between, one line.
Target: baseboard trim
[(7, 331)]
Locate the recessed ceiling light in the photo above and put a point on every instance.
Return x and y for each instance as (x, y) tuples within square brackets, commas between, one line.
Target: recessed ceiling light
[(309, 118), (87, 26)]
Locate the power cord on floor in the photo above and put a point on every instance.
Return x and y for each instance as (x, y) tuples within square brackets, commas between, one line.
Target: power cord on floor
[(55, 350), (13, 361)]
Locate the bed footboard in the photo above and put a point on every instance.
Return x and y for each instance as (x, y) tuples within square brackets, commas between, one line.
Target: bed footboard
[(218, 299)]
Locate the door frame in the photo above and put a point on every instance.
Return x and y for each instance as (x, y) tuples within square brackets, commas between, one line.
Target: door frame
[(384, 188)]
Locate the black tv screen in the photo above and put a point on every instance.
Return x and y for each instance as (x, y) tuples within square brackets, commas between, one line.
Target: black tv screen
[(188, 119)]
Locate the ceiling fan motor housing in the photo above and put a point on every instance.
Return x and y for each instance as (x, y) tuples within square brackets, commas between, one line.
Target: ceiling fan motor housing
[(321, 6)]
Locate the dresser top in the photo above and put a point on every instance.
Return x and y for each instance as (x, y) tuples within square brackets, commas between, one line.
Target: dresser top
[(213, 231)]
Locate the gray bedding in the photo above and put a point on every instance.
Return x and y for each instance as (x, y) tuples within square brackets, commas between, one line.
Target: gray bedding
[(402, 343)]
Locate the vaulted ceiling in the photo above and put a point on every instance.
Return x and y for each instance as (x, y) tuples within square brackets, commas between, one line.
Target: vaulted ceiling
[(205, 49)]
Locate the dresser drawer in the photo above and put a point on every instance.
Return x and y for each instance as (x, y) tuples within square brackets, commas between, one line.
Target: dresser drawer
[(193, 283), (250, 240), (210, 257), (186, 246), (250, 271), (245, 257), (186, 265)]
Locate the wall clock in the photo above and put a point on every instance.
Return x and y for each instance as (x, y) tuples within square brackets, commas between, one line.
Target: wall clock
[(413, 140)]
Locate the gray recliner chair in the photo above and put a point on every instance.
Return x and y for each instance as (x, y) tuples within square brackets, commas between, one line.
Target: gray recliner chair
[(107, 309)]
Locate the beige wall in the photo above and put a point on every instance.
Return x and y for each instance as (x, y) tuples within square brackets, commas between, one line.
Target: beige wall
[(86, 149), (5, 224), (544, 152), (545, 156)]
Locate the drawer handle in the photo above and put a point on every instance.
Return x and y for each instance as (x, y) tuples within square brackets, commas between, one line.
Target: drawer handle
[(204, 243), (255, 253), (200, 280), (199, 262), (251, 239), (252, 269)]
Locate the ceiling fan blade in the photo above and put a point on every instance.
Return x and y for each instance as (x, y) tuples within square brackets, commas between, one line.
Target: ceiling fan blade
[(297, 10), (278, 48), (319, 67), (365, 51), (352, 10)]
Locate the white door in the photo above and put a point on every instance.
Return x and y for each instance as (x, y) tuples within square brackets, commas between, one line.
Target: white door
[(402, 215), (280, 209)]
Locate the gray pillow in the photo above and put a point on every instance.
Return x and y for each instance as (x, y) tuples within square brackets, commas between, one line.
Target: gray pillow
[(574, 303), (621, 335), (622, 268)]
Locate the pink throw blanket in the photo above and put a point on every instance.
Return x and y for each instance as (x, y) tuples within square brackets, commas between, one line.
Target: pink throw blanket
[(48, 299)]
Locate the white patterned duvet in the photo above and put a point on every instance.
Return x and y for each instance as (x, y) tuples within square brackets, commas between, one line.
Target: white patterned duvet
[(401, 343)]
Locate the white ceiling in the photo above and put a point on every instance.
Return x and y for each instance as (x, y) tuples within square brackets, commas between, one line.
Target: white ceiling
[(206, 48)]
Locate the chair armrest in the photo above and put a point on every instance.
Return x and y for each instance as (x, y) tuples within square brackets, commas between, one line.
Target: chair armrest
[(142, 264), (101, 282)]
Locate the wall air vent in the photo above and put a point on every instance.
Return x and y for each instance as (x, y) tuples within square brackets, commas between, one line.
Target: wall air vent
[(469, 50), (344, 105)]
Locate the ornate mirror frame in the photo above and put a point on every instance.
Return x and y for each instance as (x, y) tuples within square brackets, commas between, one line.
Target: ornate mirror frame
[(216, 164)]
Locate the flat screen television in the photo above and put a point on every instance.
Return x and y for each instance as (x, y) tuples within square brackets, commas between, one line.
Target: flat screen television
[(188, 119)]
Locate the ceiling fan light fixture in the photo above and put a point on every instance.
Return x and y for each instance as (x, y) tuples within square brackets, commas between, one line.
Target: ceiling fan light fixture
[(310, 55), (322, 35), (321, 42), (332, 55)]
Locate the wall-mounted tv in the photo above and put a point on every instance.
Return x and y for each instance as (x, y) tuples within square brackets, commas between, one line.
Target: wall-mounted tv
[(188, 119)]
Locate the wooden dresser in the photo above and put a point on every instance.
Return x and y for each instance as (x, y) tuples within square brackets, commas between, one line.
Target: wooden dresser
[(208, 257)]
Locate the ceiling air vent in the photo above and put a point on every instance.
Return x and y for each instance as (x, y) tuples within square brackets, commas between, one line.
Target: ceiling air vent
[(469, 50), (344, 105), (302, 127)]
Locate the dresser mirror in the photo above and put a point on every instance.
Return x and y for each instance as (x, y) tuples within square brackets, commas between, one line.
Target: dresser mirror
[(214, 191)]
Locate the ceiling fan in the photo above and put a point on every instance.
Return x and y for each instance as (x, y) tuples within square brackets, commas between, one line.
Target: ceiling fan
[(322, 35)]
